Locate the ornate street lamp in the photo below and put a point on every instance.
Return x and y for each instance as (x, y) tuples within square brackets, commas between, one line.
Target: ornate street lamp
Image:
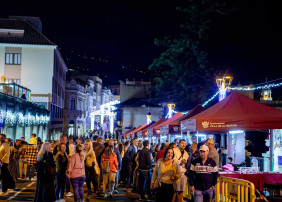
[(223, 83), (149, 118), (170, 107)]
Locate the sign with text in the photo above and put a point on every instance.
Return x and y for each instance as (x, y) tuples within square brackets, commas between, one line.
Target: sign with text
[(188, 125), (233, 189)]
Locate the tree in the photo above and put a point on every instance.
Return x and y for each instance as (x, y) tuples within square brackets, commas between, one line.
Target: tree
[(185, 71)]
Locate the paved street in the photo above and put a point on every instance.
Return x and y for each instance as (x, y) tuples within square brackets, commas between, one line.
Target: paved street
[(26, 191)]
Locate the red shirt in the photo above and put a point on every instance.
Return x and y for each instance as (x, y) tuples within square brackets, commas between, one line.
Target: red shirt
[(160, 154)]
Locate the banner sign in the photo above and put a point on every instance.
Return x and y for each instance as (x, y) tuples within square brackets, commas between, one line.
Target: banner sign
[(188, 125)]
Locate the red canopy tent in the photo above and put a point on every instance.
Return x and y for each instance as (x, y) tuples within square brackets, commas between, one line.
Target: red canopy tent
[(143, 132), (135, 131), (235, 112), (174, 126), (168, 121), (150, 130), (127, 132)]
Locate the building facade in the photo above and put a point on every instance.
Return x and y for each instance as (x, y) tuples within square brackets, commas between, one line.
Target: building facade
[(30, 59)]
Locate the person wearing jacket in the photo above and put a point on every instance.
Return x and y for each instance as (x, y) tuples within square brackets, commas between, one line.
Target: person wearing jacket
[(98, 149), (109, 177), (61, 161), (164, 176), (116, 151), (76, 172), (203, 176), (45, 178), (90, 164), (130, 155), (145, 164)]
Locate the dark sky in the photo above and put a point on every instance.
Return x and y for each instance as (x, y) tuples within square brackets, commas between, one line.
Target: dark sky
[(119, 36)]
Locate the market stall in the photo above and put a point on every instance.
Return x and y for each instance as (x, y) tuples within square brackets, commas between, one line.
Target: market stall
[(172, 128), (234, 115)]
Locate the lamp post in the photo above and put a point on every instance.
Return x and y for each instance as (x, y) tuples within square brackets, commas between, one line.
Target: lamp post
[(149, 115), (170, 107), (223, 83)]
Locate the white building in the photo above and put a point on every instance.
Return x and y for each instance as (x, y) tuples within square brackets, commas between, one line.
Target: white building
[(30, 59), (75, 109)]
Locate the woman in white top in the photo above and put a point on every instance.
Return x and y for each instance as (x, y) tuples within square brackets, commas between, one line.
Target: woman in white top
[(165, 174)]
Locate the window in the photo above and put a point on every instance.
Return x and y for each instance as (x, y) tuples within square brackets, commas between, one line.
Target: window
[(72, 104), (13, 58)]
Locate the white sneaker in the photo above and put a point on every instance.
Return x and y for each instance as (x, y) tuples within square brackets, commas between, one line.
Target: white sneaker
[(33, 179), (69, 194), (27, 179)]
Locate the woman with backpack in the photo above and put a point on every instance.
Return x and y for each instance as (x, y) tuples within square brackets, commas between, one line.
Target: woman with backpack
[(76, 173), (91, 167), (109, 166), (46, 171)]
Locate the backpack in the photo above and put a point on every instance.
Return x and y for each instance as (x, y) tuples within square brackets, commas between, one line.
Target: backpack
[(106, 166)]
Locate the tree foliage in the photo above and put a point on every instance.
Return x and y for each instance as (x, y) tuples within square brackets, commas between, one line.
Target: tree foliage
[(185, 71)]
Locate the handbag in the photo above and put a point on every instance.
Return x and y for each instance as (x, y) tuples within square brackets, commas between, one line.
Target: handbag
[(48, 169)]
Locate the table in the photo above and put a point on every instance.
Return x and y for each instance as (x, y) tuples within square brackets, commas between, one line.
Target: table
[(258, 179)]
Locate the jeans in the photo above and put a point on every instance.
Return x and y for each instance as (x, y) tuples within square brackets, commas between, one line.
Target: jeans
[(117, 178), (145, 182), (109, 182), (129, 175), (67, 184), (30, 171), (77, 185), (206, 196), (60, 186), (22, 165)]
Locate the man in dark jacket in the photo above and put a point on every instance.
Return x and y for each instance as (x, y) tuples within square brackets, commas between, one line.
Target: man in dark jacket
[(98, 148), (203, 176), (145, 164), (130, 158), (111, 142)]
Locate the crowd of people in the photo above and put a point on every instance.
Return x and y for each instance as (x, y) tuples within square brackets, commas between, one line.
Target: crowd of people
[(161, 172)]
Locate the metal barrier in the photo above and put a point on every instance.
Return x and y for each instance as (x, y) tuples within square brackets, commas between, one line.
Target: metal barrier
[(230, 189)]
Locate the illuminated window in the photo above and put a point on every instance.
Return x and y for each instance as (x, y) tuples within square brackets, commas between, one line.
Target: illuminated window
[(13, 59)]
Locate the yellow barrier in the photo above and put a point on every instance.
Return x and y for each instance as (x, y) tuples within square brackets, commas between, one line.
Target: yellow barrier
[(230, 189)]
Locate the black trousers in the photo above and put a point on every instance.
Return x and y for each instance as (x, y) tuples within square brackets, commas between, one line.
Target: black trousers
[(91, 176), (165, 193), (6, 178)]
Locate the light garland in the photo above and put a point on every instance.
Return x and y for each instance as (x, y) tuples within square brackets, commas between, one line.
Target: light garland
[(205, 103), (18, 118), (272, 85)]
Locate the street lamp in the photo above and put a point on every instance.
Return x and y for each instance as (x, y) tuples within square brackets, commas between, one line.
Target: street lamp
[(223, 83), (170, 107), (149, 115)]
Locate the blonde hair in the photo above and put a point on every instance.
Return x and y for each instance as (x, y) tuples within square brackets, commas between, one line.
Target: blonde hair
[(44, 149), (89, 143)]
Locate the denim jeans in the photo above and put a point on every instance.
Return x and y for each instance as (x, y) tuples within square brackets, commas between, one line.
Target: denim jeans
[(60, 185), (77, 185), (145, 182), (203, 196), (109, 182)]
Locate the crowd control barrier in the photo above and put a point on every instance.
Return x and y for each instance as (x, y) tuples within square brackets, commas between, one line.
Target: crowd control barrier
[(230, 189)]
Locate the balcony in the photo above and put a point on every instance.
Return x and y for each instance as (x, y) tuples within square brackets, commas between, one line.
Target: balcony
[(15, 90)]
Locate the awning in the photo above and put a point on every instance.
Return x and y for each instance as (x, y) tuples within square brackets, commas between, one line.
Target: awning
[(235, 112)]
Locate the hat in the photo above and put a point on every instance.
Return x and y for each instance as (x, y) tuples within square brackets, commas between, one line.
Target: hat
[(204, 148), (211, 141)]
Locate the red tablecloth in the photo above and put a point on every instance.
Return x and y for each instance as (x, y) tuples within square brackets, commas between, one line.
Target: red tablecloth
[(258, 179)]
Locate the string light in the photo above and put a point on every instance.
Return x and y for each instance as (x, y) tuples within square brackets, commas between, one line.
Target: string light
[(18, 118), (205, 103), (272, 85)]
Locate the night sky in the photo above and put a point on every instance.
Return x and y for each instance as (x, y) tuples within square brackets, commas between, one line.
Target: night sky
[(115, 39)]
